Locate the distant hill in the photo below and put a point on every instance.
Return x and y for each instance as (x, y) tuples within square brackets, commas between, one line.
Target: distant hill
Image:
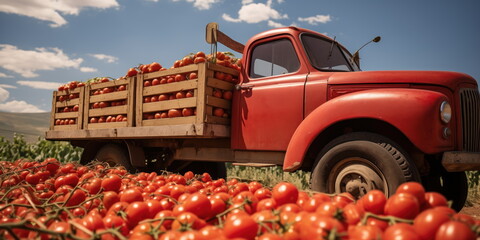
[(30, 125)]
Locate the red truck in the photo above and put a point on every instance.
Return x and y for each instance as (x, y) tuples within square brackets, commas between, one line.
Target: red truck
[(302, 102)]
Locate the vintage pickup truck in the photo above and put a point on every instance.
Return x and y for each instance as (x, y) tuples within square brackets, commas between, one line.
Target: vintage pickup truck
[(300, 101)]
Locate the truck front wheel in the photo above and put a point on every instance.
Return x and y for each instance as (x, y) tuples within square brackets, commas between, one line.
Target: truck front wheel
[(359, 162)]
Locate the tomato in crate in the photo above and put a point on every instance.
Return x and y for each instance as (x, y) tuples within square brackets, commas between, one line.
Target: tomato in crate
[(110, 104)]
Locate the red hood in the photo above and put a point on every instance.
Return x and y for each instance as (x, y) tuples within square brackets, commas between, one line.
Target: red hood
[(442, 78)]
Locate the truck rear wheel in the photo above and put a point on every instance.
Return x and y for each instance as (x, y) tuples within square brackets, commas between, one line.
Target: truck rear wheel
[(114, 155), (359, 162)]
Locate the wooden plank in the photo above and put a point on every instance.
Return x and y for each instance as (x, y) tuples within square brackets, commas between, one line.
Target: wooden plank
[(68, 92), (169, 104), (172, 71), (113, 83), (169, 121), (218, 102), (53, 110), (219, 68), (203, 74), (66, 115), (81, 134), (109, 96), (131, 98), (96, 112), (65, 127), (217, 120), (213, 130), (154, 132), (86, 108), (110, 125), (217, 83), (139, 100), (170, 87), (68, 103)]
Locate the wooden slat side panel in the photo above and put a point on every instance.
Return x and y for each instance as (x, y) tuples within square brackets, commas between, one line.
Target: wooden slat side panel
[(168, 121), (217, 83), (216, 67), (109, 84), (170, 104), (106, 125), (170, 87), (109, 96), (218, 102), (172, 71)]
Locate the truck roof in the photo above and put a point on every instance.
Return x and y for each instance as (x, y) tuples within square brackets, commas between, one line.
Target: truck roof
[(291, 30)]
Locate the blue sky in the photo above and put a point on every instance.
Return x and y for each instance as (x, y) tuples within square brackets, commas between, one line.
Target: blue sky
[(45, 43)]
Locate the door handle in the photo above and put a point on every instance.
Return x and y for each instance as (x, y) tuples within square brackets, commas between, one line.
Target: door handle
[(239, 87)]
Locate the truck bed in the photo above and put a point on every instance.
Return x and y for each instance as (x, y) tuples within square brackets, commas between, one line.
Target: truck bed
[(202, 130)]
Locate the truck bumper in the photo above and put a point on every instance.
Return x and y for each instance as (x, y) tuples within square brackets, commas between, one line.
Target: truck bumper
[(461, 161)]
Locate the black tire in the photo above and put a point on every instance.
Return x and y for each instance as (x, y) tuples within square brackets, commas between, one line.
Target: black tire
[(453, 185), (359, 162), (115, 155)]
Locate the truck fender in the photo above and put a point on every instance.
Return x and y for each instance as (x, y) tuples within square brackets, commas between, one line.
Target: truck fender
[(414, 112)]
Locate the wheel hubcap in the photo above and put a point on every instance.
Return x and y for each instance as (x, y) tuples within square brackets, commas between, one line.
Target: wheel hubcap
[(356, 176)]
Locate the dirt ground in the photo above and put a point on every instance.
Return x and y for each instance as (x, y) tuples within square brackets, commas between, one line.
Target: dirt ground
[(473, 211)]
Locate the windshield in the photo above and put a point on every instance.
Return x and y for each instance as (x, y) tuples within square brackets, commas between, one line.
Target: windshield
[(326, 55)]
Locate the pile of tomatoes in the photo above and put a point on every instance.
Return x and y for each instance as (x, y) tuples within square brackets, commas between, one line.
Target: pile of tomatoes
[(50, 200)]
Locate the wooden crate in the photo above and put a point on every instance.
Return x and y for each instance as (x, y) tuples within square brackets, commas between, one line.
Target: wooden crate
[(203, 101), (119, 103), (63, 100)]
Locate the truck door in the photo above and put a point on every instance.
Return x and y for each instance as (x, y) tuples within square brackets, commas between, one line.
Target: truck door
[(268, 104)]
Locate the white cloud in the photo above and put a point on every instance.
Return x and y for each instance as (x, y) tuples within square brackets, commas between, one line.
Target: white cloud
[(7, 86), (4, 94), (52, 10), (3, 75), (14, 105), (40, 84), (27, 62), (107, 58), (314, 20), (88, 69), (19, 106), (255, 13), (275, 24), (199, 4)]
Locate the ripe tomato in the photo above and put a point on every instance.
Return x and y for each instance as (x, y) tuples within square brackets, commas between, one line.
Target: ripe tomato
[(240, 226), (402, 205), (427, 222), (453, 230), (400, 231), (75, 198), (112, 182), (414, 188), (365, 232), (198, 204), (374, 201), (136, 212), (434, 199), (285, 192)]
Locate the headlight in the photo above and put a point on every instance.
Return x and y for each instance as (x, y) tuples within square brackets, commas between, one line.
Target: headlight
[(445, 112)]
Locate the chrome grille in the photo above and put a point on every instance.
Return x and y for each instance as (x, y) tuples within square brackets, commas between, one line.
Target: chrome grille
[(470, 104)]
